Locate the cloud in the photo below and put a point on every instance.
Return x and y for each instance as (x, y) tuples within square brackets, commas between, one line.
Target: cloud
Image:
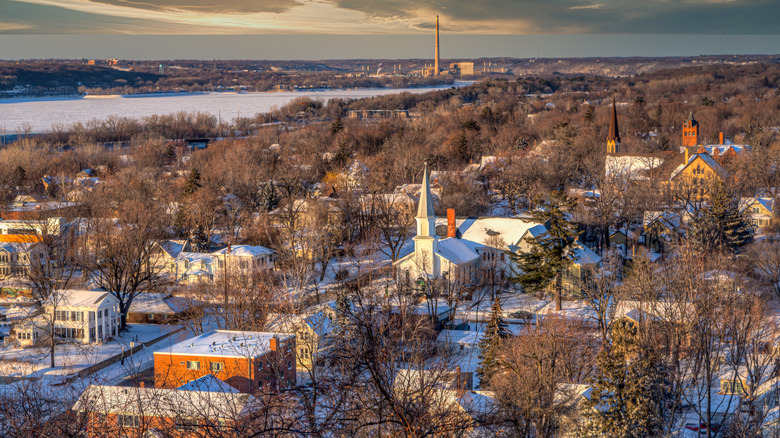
[(510, 17), (14, 27), (208, 6)]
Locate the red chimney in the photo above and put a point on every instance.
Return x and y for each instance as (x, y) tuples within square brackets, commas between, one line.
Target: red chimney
[(457, 370), (142, 384), (720, 138), (274, 344), (451, 228)]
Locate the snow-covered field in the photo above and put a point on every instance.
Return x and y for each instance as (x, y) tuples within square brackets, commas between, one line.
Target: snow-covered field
[(41, 113)]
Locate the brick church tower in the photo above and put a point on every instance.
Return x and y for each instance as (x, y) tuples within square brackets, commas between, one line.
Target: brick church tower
[(690, 132)]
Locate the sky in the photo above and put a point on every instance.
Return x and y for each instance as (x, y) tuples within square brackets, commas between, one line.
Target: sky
[(322, 29)]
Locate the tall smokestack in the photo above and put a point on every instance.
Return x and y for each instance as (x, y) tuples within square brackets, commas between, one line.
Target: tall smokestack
[(436, 65)]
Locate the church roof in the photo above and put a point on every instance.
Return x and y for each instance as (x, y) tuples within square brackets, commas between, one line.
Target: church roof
[(425, 208)]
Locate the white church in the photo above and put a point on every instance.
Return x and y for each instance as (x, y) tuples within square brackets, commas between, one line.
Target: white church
[(469, 246)]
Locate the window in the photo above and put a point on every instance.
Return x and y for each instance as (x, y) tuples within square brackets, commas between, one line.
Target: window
[(186, 264), (193, 365), (151, 317), (129, 420), (187, 424), (217, 366), (731, 387)]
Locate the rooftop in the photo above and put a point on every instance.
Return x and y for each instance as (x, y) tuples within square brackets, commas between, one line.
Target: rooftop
[(227, 343)]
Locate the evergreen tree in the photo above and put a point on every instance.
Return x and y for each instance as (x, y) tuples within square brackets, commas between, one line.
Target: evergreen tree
[(193, 182), (337, 126), (269, 198), (721, 225), (19, 177), (495, 332), (629, 392), (552, 252)]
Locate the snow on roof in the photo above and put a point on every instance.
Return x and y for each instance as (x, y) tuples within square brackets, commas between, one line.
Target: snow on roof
[(632, 165), (173, 247), (660, 310), (193, 257), (165, 403), (510, 229), (209, 383), (160, 303), (246, 250), (320, 323), (81, 298), (582, 255), (461, 337), (707, 158), (227, 343), (578, 310), (456, 251)]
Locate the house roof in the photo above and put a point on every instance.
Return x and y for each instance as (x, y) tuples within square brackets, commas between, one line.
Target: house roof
[(209, 383), (707, 158), (510, 229), (163, 403), (456, 251), (160, 303), (227, 343), (246, 250), (462, 337), (81, 298)]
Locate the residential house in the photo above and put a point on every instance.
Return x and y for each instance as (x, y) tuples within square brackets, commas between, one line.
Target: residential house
[(186, 267), (312, 333), (760, 209), (193, 410), (78, 316), (158, 308), (247, 361), (17, 258), (29, 231)]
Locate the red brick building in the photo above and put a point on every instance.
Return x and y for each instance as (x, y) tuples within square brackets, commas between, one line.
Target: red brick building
[(113, 411), (248, 361)]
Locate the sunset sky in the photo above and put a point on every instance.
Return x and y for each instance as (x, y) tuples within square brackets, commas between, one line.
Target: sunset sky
[(24, 24)]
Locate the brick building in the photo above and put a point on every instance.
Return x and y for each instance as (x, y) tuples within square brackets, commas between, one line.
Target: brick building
[(248, 361), (113, 411)]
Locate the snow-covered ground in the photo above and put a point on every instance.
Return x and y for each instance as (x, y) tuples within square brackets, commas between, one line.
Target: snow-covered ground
[(71, 358)]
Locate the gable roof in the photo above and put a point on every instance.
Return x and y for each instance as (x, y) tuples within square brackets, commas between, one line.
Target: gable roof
[(81, 298), (456, 251), (707, 159), (160, 303), (163, 403)]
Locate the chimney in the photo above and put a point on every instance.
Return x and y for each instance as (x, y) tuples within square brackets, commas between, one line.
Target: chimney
[(436, 65), (451, 227), (142, 384), (720, 138), (274, 344), (457, 384)]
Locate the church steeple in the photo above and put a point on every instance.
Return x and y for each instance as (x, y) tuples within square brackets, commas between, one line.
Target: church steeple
[(426, 218), (613, 136)]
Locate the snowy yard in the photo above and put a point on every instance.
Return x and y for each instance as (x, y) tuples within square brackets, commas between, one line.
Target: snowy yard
[(71, 358)]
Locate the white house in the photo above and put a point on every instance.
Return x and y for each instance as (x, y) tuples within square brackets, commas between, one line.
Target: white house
[(196, 267), (77, 316)]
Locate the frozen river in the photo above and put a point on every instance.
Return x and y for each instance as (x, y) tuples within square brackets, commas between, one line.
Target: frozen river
[(41, 113)]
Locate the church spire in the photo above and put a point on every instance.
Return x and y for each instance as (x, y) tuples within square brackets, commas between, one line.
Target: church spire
[(613, 136), (426, 218), (425, 208)]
